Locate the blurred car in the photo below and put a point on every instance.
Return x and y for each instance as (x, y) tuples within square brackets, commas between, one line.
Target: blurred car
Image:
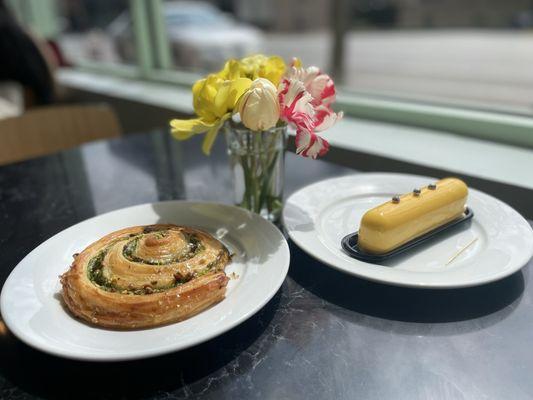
[(523, 19), (379, 13), (201, 36)]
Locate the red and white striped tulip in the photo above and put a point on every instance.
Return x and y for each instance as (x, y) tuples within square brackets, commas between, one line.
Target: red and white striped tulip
[(305, 98)]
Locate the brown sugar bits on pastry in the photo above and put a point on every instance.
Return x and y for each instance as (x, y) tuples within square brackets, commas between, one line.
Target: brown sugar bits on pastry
[(146, 276)]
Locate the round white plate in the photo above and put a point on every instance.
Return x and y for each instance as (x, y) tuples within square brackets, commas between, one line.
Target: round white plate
[(318, 216), (31, 301)]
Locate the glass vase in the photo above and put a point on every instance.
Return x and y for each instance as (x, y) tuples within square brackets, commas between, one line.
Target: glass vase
[(257, 163)]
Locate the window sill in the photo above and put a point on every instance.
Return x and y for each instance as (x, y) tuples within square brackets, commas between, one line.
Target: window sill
[(426, 147)]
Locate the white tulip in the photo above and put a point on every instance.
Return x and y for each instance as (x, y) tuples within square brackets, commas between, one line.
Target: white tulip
[(259, 106)]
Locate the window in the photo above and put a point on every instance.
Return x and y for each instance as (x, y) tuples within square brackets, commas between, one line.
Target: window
[(469, 54), (201, 36), (96, 31), (392, 59), (476, 53)]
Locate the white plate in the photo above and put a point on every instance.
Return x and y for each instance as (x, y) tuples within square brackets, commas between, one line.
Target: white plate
[(32, 309), (318, 216)]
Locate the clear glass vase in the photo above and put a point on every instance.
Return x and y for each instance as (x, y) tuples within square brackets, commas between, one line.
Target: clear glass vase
[(257, 162)]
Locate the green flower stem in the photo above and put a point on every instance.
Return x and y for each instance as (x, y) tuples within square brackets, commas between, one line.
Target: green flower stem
[(258, 154), (266, 186)]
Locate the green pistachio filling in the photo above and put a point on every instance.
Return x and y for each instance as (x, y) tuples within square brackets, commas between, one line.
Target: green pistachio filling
[(95, 270), (193, 248), (96, 275)]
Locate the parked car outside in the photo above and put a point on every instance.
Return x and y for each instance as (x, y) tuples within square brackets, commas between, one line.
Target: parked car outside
[(200, 35)]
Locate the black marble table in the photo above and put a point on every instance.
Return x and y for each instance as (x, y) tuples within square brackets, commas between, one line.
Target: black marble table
[(325, 335)]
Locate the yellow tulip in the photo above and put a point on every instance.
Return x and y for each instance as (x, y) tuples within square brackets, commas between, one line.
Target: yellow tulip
[(272, 69), (214, 99), (256, 66)]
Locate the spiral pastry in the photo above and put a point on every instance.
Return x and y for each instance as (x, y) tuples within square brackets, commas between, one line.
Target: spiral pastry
[(146, 276)]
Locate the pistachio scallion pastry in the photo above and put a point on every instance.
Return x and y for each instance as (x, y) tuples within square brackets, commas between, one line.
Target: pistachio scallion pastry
[(146, 276)]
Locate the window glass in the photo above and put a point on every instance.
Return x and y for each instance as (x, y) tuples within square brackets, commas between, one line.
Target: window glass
[(476, 53), (96, 30), (201, 34)]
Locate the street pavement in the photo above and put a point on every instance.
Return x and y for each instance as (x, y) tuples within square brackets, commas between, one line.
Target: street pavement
[(474, 67)]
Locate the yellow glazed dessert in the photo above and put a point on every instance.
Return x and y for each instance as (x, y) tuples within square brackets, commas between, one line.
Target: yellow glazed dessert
[(396, 222)]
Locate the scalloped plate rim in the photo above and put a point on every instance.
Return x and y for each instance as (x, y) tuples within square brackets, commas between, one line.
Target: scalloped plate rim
[(314, 246)]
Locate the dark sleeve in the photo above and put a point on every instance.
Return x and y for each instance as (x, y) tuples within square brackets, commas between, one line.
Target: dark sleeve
[(22, 61)]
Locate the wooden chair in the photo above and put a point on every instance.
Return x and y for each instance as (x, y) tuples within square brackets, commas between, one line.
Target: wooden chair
[(45, 130)]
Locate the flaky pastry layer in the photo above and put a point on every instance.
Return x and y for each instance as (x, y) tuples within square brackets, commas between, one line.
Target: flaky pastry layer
[(146, 276)]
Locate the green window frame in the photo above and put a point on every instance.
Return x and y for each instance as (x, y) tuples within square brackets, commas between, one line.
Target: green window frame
[(154, 64)]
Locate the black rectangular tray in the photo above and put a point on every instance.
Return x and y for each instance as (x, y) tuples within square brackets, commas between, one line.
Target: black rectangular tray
[(349, 242)]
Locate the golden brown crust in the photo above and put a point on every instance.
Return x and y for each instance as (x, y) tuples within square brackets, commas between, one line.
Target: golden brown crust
[(146, 276)]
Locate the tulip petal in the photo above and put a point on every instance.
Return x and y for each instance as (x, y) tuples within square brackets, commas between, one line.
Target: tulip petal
[(273, 69), (296, 62), (221, 98), (309, 144), (295, 104), (183, 129), (230, 71), (211, 135), (209, 139), (238, 87), (326, 118), (234, 70)]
